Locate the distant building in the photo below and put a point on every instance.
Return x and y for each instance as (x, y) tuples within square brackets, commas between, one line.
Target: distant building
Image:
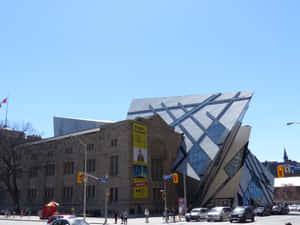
[(286, 163), (287, 190), (63, 125)]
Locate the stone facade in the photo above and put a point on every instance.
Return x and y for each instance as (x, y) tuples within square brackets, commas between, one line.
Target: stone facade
[(50, 168)]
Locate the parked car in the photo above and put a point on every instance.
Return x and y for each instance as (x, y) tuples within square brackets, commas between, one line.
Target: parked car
[(70, 221), (196, 214), (262, 211), (51, 219), (242, 213), (218, 213), (280, 210)]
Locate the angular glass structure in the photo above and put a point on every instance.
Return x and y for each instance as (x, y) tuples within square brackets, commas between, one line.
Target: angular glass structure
[(214, 155), (205, 121)]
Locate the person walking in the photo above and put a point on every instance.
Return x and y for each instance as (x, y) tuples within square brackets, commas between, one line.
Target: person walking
[(116, 216), (147, 213), (125, 216)]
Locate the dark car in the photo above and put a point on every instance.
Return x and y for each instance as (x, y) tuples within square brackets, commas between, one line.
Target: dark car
[(242, 213), (280, 210), (262, 211)]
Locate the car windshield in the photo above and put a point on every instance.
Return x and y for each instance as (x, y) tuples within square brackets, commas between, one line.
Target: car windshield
[(239, 210), (196, 210), (79, 222), (216, 210)]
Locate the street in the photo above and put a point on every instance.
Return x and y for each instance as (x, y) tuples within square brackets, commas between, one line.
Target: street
[(268, 220)]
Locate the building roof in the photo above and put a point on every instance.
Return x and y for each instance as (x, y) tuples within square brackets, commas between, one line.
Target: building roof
[(287, 181), (205, 121)]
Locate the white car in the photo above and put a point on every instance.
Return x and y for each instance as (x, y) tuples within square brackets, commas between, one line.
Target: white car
[(219, 213), (196, 214), (70, 221)]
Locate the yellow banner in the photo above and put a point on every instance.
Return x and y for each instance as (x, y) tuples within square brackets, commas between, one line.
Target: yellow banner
[(139, 136), (140, 188)]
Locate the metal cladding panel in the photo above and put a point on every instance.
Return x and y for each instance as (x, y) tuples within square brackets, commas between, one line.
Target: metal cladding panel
[(205, 121), (257, 183)]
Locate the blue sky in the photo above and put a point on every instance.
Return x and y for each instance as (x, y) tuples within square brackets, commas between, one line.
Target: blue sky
[(89, 59)]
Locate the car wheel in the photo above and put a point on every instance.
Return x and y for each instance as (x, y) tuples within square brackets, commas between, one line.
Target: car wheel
[(231, 221), (253, 219)]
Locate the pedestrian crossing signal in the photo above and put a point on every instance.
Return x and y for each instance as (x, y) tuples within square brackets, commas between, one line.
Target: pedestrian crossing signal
[(175, 178), (79, 178), (280, 171)]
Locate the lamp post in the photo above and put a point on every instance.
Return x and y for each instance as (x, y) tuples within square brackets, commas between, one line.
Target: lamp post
[(291, 123), (84, 178)]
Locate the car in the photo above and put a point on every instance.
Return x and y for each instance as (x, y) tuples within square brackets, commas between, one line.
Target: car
[(280, 209), (51, 219), (196, 214), (242, 213), (70, 221), (262, 211), (218, 213)]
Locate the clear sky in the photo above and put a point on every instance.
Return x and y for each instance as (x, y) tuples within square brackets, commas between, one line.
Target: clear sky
[(89, 59)]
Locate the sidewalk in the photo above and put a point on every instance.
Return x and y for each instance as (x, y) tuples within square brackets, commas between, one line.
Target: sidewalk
[(92, 220)]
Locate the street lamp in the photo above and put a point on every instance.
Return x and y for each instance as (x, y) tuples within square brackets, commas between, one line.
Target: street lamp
[(291, 123), (84, 178)]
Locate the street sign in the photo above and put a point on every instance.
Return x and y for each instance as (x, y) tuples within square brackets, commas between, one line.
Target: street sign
[(104, 180), (166, 177), (295, 167), (280, 171)]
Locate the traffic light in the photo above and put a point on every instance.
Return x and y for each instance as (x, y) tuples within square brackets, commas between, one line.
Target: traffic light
[(280, 171), (79, 178), (175, 178), (163, 196)]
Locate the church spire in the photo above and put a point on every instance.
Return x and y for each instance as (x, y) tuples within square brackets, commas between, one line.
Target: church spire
[(285, 156)]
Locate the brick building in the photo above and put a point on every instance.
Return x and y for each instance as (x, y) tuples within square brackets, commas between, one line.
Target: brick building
[(50, 168)]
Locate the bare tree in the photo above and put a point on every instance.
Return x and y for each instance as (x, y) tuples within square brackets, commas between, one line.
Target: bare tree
[(10, 161)]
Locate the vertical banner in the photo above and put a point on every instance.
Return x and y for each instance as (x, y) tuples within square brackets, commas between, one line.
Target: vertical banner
[(140, 162)]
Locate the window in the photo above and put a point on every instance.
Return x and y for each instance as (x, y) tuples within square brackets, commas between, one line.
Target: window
[(50, 170), (49, 193), (31, 194), (91, 165), (114, 142), (113, 194), (33, 172), (157, 194), (68, 150), (91, 190), (68, 168), (68, 193), (90, 147), (235, 164), (156, 169), (114, 166)]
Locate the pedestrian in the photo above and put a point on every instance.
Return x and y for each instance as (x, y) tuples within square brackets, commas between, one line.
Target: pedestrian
[(125, 215), (116, 217), (122, 217), (147, 212), (174, 215)]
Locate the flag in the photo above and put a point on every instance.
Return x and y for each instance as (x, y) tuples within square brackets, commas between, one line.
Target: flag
[(4, 100)]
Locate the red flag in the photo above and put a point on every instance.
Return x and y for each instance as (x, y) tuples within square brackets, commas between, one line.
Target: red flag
[(5, 100)]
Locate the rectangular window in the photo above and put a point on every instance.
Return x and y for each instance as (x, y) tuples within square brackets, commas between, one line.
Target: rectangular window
[(157, 194), (68, 150), (114, 166), (50, 170), (31, 194), (91, 191), (91, 165), (68, 168), (156, 169), (91, 147), (49, 193), (68, 193), (33, 172), (113, 192)]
